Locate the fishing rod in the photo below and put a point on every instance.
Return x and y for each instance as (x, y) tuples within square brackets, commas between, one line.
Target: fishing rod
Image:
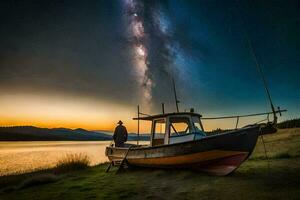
[(258, 66), (259, 69)]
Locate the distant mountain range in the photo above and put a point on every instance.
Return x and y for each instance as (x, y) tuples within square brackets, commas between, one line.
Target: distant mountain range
[(31, 133)]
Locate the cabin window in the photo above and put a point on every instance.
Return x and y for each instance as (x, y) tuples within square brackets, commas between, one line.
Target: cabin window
[(159, 132), (179, 126), (197, 124)]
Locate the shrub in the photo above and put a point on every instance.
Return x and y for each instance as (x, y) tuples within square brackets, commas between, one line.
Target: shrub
[(72, 162)]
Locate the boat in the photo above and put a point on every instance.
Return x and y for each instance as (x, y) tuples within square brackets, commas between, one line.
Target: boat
[(178, 140)]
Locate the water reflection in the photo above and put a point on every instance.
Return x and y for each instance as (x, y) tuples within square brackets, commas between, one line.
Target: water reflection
[(18, 157)]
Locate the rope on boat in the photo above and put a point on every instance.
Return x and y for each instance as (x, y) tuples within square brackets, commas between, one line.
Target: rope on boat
[(261, 121), (248, 115), (265, 150)]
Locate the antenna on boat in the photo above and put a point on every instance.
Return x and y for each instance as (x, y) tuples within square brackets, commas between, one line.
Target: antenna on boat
[(163, 108), (175, 94)]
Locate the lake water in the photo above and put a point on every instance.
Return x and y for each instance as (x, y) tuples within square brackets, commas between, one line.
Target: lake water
[(16, 157)]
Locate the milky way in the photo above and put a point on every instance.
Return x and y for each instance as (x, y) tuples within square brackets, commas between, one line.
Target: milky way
[(149, 36)]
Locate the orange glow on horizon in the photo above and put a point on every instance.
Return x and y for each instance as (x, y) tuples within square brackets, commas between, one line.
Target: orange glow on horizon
[(53, 111), (61, 111)]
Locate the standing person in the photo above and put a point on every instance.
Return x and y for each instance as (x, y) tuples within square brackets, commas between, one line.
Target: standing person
[(120, 135)]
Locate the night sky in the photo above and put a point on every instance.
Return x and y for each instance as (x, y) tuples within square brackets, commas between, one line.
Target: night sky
[(89, 63)]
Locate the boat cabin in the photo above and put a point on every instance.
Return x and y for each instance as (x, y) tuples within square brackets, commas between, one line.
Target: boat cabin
[(174, 128)]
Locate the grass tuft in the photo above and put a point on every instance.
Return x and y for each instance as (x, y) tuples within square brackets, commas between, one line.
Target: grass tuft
[(72, 162)]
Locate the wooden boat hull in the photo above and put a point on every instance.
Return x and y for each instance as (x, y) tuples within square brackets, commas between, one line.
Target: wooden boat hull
[(218, 154)]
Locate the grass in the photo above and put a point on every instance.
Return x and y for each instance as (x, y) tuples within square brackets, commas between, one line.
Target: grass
[(282, 155), (38, 180), (72, 162), (278, 178)]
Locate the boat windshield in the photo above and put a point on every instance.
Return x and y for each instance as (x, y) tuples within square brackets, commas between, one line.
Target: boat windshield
[(179, 126), (197, 125)]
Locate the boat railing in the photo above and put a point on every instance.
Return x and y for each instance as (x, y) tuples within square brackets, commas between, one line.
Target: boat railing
[(247, 115)]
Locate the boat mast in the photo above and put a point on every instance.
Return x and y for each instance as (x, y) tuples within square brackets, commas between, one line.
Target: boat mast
[(175, 94), (163, 108), (259, 69), (258, 66)]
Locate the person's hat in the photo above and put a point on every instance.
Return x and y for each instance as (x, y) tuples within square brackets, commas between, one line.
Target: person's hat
[(120, 122)]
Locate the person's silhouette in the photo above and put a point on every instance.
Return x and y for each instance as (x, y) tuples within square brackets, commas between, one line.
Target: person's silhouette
[(120, 135)]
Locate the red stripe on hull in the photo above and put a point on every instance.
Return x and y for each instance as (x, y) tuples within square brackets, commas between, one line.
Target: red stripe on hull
[(223, 166)]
